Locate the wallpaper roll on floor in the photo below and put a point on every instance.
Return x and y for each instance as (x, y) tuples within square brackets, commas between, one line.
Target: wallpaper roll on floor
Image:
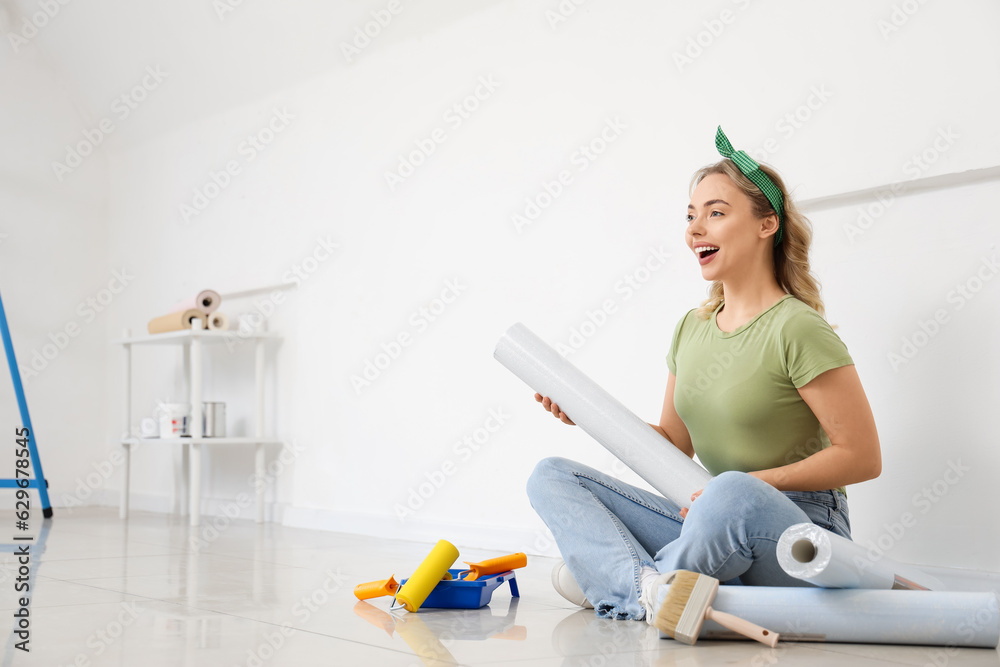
[(206, 300), (600, 415), (808, 552), (174, 321), (218, 321), (933, 618)]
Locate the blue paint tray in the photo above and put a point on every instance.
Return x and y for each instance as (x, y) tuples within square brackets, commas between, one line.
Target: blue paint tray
[(457, 593)]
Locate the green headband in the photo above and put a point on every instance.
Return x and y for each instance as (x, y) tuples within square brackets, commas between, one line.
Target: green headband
[(752, 170)]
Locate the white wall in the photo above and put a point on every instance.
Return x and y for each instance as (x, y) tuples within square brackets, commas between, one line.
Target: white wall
[(915, 297), (878, 102), (54, 277)]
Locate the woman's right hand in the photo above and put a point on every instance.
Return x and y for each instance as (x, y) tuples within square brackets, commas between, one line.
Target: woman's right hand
[(694, 497), (554, 409)]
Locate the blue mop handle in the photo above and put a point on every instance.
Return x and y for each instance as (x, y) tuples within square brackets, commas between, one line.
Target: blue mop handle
[(22, 404)]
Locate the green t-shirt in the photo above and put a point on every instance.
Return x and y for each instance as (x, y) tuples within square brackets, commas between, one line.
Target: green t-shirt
[(737, 392)]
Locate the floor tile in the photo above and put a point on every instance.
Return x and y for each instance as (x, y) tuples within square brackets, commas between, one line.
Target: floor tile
[(153, 591)]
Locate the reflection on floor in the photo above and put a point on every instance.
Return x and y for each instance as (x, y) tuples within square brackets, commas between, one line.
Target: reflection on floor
[(151, 591)]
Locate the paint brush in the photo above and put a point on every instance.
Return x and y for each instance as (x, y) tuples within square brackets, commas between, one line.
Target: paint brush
[(689, 602)]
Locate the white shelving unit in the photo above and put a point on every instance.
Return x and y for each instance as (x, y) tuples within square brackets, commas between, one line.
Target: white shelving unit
[(193, 340)]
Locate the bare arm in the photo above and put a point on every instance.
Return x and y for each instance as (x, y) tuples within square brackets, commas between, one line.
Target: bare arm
[(671, 427), (839, 402)]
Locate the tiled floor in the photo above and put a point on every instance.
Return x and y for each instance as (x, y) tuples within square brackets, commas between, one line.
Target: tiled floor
[(150, 592)]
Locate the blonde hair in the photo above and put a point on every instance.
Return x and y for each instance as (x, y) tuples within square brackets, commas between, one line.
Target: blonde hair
[(791, 255)]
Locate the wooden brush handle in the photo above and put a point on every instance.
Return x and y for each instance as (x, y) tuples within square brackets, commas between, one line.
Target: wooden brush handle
[(743, 626)]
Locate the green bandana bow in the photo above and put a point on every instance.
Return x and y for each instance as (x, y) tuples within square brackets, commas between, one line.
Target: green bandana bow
[(752, 170)]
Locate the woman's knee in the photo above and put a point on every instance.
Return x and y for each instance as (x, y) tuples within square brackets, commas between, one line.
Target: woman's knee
[(735, 490), (733, 481), (548, 471)]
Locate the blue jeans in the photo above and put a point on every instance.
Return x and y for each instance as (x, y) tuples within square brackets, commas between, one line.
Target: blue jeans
[(607, 530)]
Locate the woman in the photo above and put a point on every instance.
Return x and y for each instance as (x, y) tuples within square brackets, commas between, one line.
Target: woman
[(760, 387)]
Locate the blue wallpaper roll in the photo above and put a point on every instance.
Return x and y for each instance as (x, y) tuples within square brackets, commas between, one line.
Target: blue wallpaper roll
[(858, 616)]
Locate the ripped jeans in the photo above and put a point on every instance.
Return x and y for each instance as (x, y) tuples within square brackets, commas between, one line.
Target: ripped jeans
[(607, 530)]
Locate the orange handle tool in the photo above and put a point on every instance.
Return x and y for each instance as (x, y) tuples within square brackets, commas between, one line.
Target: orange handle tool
[(495, 565), (376, 589)]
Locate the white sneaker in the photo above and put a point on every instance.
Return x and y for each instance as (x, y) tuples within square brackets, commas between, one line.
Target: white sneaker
[(654, 590), (566, 586)]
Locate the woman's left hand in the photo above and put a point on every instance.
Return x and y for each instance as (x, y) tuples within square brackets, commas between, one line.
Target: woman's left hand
[(694, 496)]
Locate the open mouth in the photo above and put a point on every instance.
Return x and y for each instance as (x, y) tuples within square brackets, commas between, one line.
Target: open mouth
[(705, 251)]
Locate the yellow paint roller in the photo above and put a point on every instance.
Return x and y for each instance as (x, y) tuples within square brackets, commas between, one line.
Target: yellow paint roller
[(431, 571), (381, 588)]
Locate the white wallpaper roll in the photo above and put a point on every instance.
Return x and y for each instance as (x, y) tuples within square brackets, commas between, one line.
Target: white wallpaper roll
[(217, 321), (808, 552), (931, 618), (632, 440), (207, 301)]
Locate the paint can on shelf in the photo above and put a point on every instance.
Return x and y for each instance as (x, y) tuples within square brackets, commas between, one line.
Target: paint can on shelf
[(175, 419), (213, 419)]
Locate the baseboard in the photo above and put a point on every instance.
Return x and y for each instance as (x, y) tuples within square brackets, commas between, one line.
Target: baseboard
[(238, 508), (532, 541)]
